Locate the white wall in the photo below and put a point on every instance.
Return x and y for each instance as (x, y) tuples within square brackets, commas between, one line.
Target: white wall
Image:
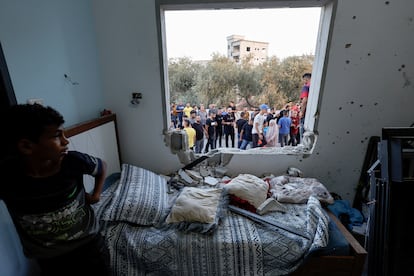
[(46, 39), (128, 45), (367, 86)]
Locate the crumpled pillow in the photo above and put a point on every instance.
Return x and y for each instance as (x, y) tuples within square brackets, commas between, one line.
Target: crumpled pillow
[(248, 187), (197, 209), (289, 189)]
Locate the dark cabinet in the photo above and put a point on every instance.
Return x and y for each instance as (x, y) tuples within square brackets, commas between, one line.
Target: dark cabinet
[(391, 236)]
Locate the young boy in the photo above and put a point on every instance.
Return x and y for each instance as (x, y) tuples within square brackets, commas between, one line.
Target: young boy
[(284, 128), (246, 135), (191, 133), (42, 186)]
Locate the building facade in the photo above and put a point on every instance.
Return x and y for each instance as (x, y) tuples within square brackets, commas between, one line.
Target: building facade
[(239, 48)]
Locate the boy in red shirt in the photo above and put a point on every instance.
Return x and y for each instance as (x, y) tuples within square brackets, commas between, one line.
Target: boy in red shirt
[(294, 128)]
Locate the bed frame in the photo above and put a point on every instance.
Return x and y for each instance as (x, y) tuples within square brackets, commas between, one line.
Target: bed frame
[(337, 265), (97, 137), (352, 264)]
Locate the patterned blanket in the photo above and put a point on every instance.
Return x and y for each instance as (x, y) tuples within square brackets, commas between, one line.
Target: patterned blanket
[(241, 245)]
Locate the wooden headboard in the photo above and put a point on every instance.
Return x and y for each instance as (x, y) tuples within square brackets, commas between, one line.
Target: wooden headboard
[(97, 137)]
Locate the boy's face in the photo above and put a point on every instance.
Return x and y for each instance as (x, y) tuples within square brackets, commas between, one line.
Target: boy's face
[(52, 145)]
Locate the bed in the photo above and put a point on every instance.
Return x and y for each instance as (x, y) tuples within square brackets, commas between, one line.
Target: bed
[(136, 204)]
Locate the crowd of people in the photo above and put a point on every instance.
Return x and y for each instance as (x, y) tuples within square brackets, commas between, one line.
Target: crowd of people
[(206, 128)]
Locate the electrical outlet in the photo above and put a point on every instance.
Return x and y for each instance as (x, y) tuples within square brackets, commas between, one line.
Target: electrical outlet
[(35, 101)]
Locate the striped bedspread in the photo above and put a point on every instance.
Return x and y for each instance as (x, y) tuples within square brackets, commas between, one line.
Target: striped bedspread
[(274, 244)]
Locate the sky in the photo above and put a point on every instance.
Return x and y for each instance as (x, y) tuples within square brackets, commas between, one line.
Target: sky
[(198, 34)]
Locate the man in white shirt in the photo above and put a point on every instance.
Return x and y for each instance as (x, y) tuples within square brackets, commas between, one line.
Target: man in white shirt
[(258, 125)]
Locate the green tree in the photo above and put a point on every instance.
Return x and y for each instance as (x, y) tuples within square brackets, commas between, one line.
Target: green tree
[(249, 84), (182, 75), (216, 80), (291, 72), (272, 92), (220, 80)]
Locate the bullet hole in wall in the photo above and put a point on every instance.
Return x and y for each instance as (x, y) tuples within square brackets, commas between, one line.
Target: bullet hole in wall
[(387, 2), (347, 61), (354, 17), (375, 103), (348, 132), (369, 54), (340, 108), (402, 66), (351, 102), (361, 105), (348, 45)]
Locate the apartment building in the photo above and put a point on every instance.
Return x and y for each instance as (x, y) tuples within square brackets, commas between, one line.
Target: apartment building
[(239, 48)]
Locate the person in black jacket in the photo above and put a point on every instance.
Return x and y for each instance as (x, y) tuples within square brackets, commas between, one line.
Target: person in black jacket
[(199, 128), (228, 125)]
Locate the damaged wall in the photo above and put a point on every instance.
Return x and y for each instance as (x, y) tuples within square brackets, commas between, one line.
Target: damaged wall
[(368, 82), (368, 85)]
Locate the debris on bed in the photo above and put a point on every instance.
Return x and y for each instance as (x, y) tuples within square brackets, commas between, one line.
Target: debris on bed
[(270, 205), (210, 170), (186, 178), (290, 189), (211, 181), (207, 169)]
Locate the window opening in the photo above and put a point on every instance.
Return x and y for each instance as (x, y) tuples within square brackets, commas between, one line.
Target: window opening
[(233, 52)]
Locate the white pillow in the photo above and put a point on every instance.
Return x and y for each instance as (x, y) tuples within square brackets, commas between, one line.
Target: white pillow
[(195, 205), (248, 187)]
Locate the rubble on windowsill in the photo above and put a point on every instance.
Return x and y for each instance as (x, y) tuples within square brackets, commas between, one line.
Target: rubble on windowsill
[(299, 149)]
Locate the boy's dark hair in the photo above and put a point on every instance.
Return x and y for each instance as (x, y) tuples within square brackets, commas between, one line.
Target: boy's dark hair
[(307, 75), (28, 121)]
